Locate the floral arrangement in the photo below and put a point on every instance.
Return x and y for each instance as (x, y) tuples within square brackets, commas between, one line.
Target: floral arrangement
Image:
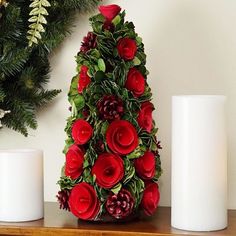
[(112, 161)]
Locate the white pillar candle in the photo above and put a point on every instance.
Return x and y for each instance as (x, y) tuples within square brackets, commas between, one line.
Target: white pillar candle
[(199, 163), (21, 185)]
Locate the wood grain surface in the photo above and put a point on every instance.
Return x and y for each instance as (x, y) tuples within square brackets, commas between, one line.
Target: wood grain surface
[(59, 222)]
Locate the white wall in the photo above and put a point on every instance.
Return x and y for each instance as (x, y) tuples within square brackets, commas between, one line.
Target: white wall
[(191, 48)]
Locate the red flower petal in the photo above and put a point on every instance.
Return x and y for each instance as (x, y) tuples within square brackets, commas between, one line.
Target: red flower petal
[(146, 165), (121, 137), (144, 119), (127, 48), (82, 131), (151, 197), (84, 79), (83, 201), (135, 82), (109, 11), (109, 170), (74, 162)]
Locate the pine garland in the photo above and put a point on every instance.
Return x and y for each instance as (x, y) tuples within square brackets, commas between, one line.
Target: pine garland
[(24, 70)]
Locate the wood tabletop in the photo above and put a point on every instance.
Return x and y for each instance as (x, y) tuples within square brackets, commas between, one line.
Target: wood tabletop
[(59, 222)]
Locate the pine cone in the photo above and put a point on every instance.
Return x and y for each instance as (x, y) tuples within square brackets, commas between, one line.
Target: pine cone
[(120, 205), (89, 42), (110, 108), (62, 198)]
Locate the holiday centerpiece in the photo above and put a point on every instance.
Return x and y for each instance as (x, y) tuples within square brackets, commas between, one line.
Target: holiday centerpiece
[(112, 161)]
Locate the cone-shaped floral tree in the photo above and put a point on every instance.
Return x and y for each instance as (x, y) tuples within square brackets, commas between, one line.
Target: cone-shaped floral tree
[(112, 162)]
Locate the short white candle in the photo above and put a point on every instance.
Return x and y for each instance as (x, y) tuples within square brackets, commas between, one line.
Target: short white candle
[(21, 185), (199, 163)]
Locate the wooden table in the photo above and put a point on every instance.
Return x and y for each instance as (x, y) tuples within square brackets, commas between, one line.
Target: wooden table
[(58, 222)]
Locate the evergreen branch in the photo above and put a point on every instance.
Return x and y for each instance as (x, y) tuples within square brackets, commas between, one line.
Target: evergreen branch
[(22, 115), (12, 24), (2, 94), (2, 114), (24, 71), (12, 61), (43, 97), (37, 20)]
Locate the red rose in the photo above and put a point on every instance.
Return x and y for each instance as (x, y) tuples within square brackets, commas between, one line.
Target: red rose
[(74, 162), (127, 48), (135, 82), (145, 116), (146, 165), (150, 200), (82, 131), (83, 201), (121, 137), (109, 11), (109, 170), (84, 79)]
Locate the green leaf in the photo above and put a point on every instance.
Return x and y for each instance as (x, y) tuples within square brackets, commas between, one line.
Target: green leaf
[(42, 19), (34, 4), (153, 147), (99, 76), (85, 164), (45, 3), (34, 12), (136, 187), (136, 153), (136, 61), (91, 72), (33, 26), (116, 188), (101, 65), (37, 35), (66, 182), (104, 127), (69, 142), (79, 102), (74, 110), (34, 40), (116, 20), (74, 86), (87, 176), (138, 40), (33, 19), (43, 11), (129, 171), (40, 28)]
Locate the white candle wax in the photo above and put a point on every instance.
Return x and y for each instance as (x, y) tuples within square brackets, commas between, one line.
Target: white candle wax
[(199, 163), (21, 185)]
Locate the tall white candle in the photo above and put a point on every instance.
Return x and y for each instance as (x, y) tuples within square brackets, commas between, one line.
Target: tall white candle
[(21, 185), (199, 163)]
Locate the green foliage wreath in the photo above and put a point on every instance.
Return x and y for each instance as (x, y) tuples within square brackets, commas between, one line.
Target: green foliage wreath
[(29, 31)]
